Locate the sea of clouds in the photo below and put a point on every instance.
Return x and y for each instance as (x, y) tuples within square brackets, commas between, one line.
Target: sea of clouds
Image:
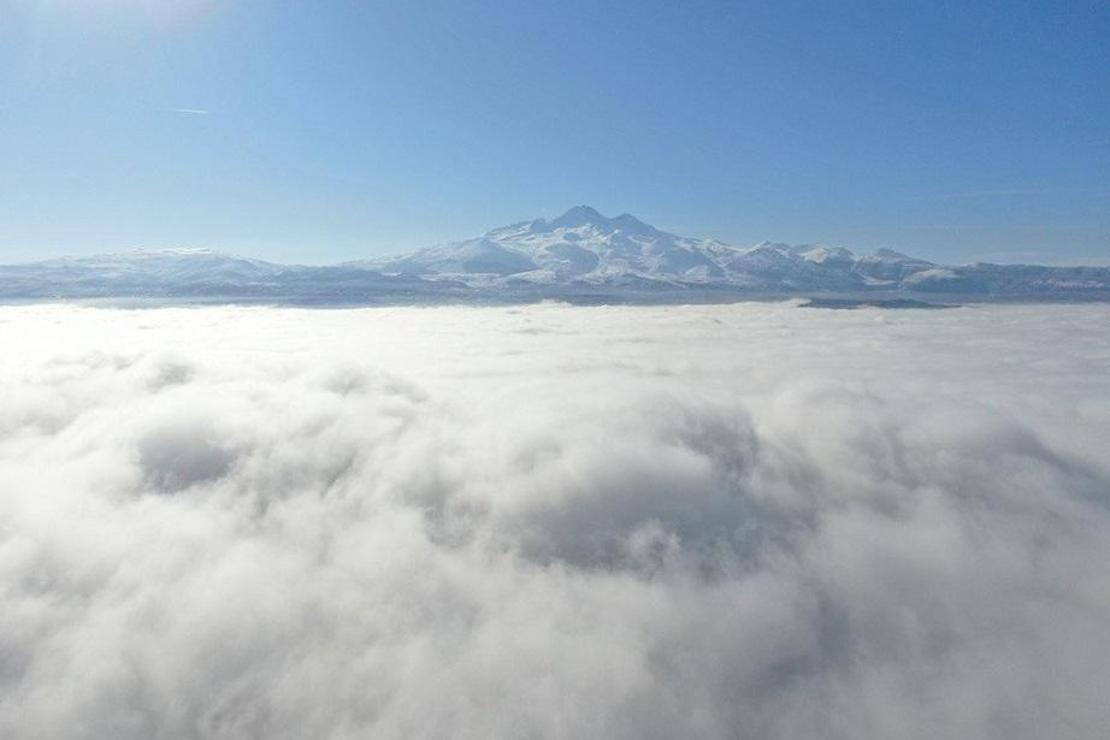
[(751, 521)]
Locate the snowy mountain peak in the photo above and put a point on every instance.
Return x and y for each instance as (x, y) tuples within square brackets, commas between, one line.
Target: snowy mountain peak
[(585, 217), (578, 216), (628, 222), (826, 254)]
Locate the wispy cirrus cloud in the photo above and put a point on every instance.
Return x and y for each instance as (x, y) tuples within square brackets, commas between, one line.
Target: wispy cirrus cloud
[(187, 111)]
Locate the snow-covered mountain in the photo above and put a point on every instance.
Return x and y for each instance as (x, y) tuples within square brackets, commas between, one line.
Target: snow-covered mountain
[(580, 245), (140, 270), (582, 248), (580, 254), (207, 274)]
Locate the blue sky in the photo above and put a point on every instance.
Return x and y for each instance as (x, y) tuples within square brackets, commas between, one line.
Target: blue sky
[(327, 130)]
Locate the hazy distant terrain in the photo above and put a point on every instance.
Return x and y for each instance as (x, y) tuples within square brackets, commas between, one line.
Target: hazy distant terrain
[(747, 520), (581, 256)]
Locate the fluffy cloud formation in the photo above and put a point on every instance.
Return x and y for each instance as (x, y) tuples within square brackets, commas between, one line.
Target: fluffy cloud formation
[(729, 521)]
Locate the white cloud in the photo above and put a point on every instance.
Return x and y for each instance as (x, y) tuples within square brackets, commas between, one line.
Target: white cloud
[(730, 521)]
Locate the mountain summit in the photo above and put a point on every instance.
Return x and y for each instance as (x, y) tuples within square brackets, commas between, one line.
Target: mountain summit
[(578, 216), (585, 216)]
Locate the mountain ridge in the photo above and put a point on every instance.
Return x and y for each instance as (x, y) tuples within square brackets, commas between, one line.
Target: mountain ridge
[(581, 251)]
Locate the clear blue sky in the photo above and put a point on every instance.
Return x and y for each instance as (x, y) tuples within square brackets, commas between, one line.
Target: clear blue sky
[(328, 130)]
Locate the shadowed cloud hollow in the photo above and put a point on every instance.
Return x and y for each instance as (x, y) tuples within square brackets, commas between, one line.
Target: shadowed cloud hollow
[(726, 521)]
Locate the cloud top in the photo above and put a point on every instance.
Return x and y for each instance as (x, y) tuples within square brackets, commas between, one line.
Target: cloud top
[(722, 521)]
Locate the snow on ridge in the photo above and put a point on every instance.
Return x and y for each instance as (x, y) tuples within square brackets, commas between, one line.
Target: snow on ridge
[(584, 246), (580, 247)]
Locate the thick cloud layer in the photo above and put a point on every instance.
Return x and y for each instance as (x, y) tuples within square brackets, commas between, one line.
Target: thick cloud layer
[(734, 521)]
